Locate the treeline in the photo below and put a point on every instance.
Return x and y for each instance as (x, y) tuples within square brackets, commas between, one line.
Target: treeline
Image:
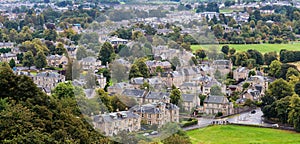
[(289, 56)]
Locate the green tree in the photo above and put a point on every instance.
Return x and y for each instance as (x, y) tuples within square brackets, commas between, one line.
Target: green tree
[(294, 114), (64, 90), (225, 49), (292, 71), (201, 54), (81, 53), (245, 85), (106, 53), (269, 57), (275, 68), (12, 63), (134, 72), (280, 89), (60, 49), (40, 60), (218, 31), (143, 69), (28, 59), (175, 97)]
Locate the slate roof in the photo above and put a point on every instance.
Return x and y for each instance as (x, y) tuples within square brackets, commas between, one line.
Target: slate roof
[(116, 116), (153, 108), (188, 97), (48, 74), (157, 95), (221, 62), (89, 59), (134, 93), (215, 99)]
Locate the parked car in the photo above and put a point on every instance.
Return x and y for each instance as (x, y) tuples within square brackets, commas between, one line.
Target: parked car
[(154, 133), (275, 125), (146, 134)]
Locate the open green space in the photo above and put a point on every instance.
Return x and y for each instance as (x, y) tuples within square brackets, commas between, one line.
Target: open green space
[(263, 48), (225, 134)]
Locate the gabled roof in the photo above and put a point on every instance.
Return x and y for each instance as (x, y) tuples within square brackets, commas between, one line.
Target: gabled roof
[(188, 97), (157, 95), (216, 99), (116, 116), (134, 93)]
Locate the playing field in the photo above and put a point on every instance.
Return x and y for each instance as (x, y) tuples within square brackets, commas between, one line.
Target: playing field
[(229, 134), (263, 48)]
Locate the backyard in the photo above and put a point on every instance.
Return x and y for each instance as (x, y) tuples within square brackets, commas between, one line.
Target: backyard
[(224, 134)]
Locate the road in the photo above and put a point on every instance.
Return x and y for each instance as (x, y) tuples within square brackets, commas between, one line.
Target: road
[(242, 118)]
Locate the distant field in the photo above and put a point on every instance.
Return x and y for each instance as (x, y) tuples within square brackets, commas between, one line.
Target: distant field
[(229, 134), (263, 48)]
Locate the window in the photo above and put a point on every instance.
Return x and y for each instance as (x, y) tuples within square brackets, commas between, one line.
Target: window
[(149, 122), (158, 116), (142, 115), (149, 115)]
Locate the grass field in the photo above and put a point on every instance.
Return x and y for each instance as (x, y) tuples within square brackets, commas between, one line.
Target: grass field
[(263, 48), (229, 134)]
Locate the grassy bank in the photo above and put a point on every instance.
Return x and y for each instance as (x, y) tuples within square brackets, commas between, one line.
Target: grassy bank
[(263, 48), (242, 135)]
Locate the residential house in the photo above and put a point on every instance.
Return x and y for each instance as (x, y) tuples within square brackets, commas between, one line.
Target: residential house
[(158, 113), (156, 83), (112, 124), (152, 97), (48, 80), (115, 41), (90, 63), (101, 80), (240, 73), (8, 56), (206, 87), (190, 87), (137, 94), (137, 82), (6, 45), (190, 101), (57, 60), (215, 104), (224, 66), (119, 87), (153, 65)]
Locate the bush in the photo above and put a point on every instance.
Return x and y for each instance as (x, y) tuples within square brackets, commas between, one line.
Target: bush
[(190, 122), (219, 114)]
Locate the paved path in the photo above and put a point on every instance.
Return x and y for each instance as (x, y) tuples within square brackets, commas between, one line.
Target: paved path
[(242, 118)]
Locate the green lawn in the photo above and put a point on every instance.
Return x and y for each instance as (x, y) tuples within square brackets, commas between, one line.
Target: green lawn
[(263, 48), (229, 134)]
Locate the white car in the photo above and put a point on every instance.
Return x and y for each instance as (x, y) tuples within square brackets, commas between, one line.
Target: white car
[(154, 133), (146, 134)]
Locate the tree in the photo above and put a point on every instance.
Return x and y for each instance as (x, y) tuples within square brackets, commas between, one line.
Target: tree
[(297, 88), (201, 54), (292, 71), (106, 53), (251, 73), (60, 49), (81, 53), (232, 51), (218, 31), (143, 69), (279, 89), (275, 69), (50, 34), (294, 114), (175, 97), (12, 63), (225, 49), (40, 60), (245, 85), (269, 57), (28, 59), (216, 90), (64, 90), (134, 72)]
